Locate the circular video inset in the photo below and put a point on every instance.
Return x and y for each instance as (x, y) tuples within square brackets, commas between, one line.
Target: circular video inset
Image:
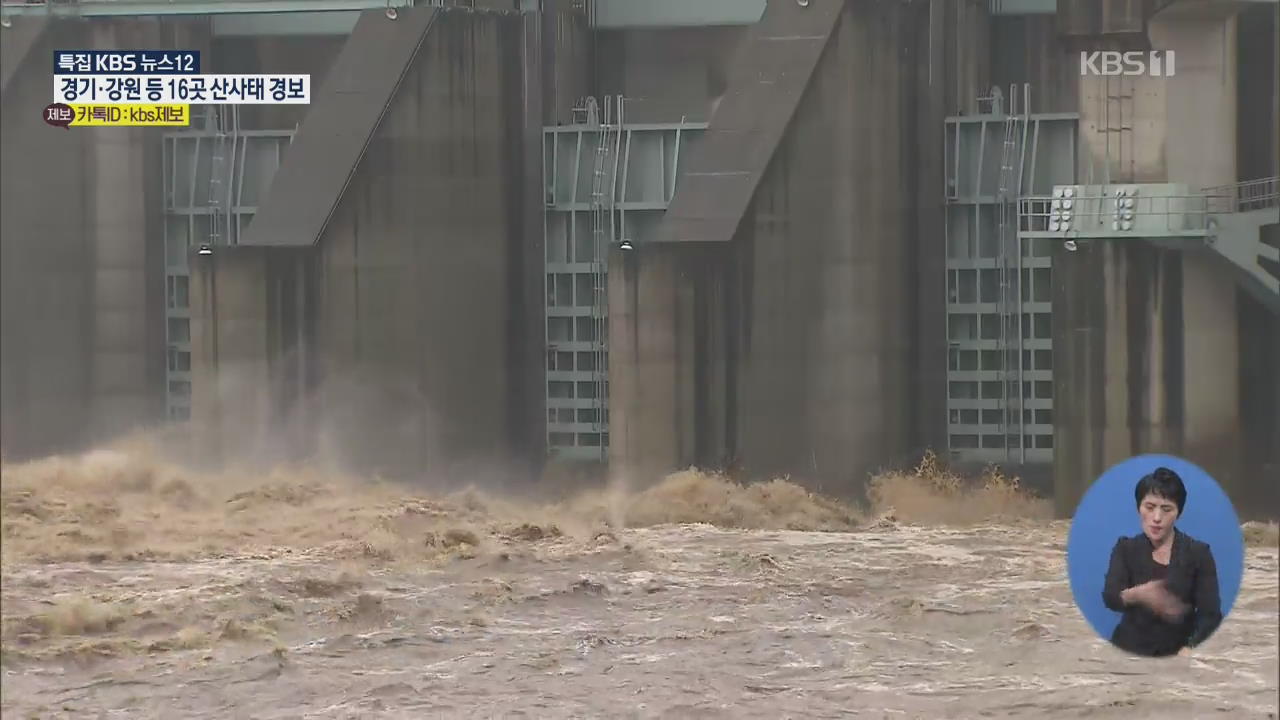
[(1155, 555)]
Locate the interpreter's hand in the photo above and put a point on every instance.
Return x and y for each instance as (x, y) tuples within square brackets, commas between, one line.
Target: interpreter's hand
[(1157, 598), (1167, 605), (1143, 594)]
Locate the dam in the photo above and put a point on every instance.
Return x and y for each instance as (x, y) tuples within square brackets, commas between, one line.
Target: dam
[(812, 239)]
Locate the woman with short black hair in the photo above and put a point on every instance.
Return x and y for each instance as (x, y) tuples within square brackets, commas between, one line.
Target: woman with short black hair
[(1164, 581)]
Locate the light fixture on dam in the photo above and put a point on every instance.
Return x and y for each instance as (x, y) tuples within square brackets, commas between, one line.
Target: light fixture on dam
[(1060, 214), (1060, 211), (1123, 213), (392, 13), (626, 245), (205, 250)]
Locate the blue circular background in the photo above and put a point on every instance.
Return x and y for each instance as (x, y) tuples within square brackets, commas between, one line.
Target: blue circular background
[(1108, 511)]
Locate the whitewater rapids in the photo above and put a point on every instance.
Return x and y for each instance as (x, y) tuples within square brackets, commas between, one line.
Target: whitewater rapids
[(134, 588)]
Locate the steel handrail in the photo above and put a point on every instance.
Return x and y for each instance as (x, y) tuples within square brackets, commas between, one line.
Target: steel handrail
[(1249, 194)]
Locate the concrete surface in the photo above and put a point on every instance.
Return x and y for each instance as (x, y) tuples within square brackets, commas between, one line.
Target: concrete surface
[(47, 271), (16, 42), (811, 344), (817, 368), (83, 286), (422, 268), (1124, 384), (229, 354), (668, 73)]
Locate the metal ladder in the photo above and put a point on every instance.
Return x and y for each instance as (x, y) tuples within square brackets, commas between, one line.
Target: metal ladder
[(603, 181), (1008, 254), (225, 123)]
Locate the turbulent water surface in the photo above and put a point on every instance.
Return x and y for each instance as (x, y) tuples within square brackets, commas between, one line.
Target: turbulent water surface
[(524, 620)]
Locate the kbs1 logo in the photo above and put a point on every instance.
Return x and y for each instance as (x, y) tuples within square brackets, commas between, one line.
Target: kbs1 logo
[(1156, 63)]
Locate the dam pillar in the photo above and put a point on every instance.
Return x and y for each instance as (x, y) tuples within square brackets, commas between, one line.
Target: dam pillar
[(1258, 156), (1117, 332), (803, 185), (1146, 339), (127, 320), (650, 373), (1200, 142), (45, 260), (825, 355), (229, 348), (121, 396), (1117, 341)]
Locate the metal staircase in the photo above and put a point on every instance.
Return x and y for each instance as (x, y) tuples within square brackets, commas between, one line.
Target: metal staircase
[(1243, 226)]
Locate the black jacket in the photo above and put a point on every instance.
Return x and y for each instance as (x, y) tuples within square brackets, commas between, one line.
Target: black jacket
[(1192, 577)]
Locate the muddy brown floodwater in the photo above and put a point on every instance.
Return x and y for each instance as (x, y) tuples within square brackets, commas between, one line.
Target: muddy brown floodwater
[(130, 589)]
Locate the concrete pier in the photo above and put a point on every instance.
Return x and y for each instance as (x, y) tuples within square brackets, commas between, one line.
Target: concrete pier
[(1152, 363), (229, 341), (1258, 156), (816, 367), (1118, 370), (417, 289), (650, 430), (47, 267), (83, 286), (124, 205), (827, 368)]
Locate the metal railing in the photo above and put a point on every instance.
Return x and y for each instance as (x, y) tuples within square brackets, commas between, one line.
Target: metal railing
[(1246, 196), (1009, 269), (1022, 7), (1121, 215), (104, 8), (604, 236), (1140, 215)]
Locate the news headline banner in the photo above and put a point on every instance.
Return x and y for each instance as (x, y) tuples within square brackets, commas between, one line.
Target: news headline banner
[(126, 62), (164, 77), (183, 89)]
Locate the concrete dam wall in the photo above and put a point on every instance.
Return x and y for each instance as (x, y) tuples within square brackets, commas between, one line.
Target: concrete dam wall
[(399, 336), (82, 333), (788, 316)]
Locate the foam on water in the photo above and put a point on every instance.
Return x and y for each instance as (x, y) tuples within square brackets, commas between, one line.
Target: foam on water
[(152, 586)]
